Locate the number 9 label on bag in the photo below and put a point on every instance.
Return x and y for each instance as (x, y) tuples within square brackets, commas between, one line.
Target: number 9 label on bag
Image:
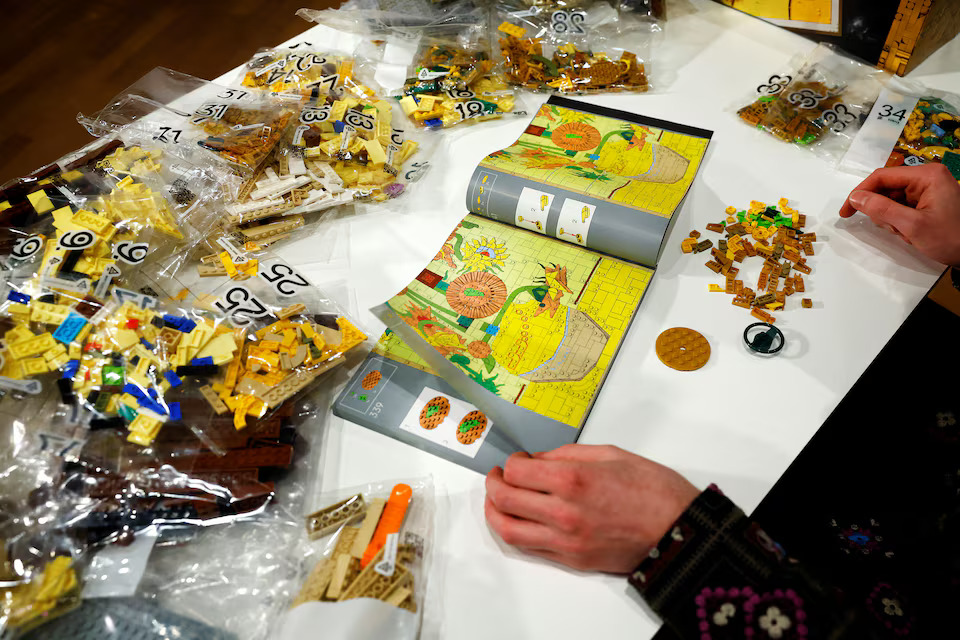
[(240, 306), (284, 279)]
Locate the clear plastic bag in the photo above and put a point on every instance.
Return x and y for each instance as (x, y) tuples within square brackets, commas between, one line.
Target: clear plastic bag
[(822, 106), (268, 333), (909, 125), (306, 71), (573, 47), (237, 126), (365, 565)]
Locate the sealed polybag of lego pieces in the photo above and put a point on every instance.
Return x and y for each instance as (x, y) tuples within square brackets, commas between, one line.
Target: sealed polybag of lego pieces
[(581, 47), (239, 345), (369, 546), (753, 107), (352, 149), (452, 84), (824, 104), (909, 125), (39, 561), (305, 71), (237, 126)]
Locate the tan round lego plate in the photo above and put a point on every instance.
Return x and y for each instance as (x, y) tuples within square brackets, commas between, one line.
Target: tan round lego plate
[(682, 349), (434, 412), (474, 432)]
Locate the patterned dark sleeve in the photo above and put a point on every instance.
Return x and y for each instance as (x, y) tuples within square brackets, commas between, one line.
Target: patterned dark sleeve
[(718, 575)]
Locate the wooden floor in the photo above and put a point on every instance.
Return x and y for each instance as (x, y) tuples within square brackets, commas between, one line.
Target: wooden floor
[(60, 58)]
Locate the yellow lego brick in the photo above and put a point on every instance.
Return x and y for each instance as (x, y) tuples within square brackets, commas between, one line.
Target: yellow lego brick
[(74, 351), (350, 335), (33, 366), (512, 29), (408, 104), (375, 152), (125, 338), (98, 224), (58, 362), (715, 288), (138, 379), (32, 346), (408, 148), (48, 313), (17, 334), (41, 203), (145, 426), (221, 348), (56, 352), (129, 401), (18, 308), (139, 438)]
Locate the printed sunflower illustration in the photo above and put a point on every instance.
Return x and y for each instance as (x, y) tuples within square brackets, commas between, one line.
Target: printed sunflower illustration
[(484, 254)]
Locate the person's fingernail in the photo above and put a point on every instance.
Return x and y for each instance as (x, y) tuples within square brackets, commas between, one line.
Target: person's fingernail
[(859, 199)]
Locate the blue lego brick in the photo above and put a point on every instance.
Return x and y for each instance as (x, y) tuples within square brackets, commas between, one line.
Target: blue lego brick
[(175, 413), (16, 296), (433, 122), (70, 369), (172, 378), (338, 126), (146, 343), (199, 362), (69, 328)]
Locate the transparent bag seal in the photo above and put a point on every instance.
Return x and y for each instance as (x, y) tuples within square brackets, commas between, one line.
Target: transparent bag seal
[(573, 47)]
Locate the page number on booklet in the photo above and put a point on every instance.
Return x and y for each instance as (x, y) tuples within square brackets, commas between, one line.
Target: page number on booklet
[(533, 208)]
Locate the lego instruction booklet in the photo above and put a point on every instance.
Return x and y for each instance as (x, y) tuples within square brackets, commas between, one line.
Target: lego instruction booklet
[(503, 341)]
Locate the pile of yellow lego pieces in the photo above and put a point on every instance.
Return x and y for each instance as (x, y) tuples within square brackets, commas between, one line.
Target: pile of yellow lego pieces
[(295, 71), (382, 161), (428, 106), (284, 357), (29, 354), (54, 591), (151, 351)]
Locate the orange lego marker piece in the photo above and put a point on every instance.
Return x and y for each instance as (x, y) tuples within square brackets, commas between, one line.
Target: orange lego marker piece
[(390, 521)]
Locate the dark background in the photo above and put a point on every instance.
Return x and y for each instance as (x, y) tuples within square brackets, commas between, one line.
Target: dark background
[(63, 57)]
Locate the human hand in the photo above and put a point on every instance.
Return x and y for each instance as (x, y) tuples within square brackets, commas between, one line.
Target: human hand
[(921, 204), (585, 506)]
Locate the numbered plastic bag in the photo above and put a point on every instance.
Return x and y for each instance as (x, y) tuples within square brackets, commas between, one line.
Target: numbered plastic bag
[(573, 47), (304, 70), (237, 126), (364, 563), (266, 334), (823, 105), (909, 125)]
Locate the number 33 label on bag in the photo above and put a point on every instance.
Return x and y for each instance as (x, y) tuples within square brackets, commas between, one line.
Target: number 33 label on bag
[(240, 306), (284, 279)]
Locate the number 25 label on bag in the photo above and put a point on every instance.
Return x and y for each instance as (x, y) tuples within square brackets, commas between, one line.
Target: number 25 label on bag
[(284, 279)]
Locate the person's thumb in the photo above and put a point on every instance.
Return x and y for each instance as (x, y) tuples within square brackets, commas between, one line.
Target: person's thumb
[(884, 211)]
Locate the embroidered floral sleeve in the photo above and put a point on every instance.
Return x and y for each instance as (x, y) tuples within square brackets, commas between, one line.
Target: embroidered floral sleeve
[(717, 575)]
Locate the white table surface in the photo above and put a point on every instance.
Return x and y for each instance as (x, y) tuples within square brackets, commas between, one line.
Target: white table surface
[(864, 283)]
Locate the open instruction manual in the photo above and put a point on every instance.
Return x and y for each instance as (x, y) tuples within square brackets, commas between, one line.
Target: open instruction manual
[(503, 341)]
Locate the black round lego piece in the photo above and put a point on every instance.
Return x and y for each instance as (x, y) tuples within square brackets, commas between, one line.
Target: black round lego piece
[(767, 342)]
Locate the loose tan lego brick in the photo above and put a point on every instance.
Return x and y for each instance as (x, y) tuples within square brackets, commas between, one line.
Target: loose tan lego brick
[(802, 267), (715, 227), (799, 284), (713, 266), (211, 396), (694, 234), (808, 248), (806, 303)]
